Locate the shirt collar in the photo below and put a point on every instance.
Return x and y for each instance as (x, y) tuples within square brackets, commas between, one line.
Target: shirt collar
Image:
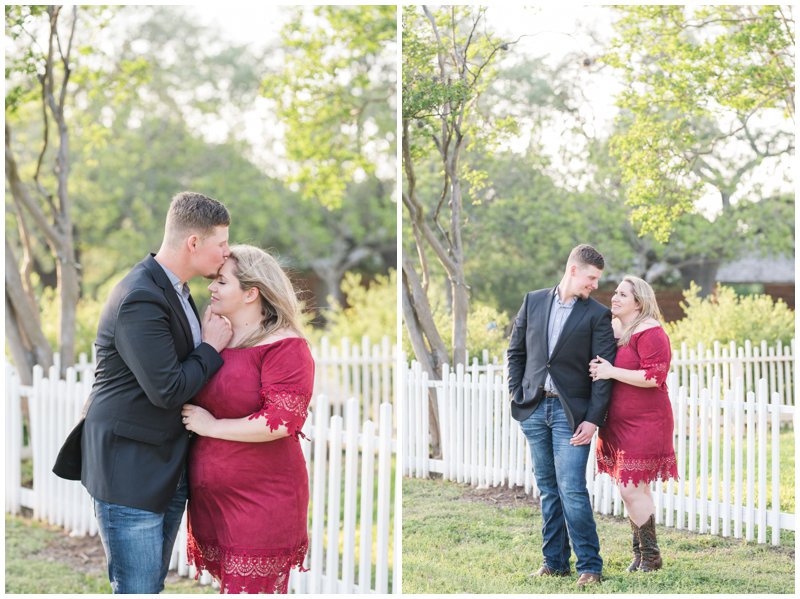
[(557, 297), (173, 278)]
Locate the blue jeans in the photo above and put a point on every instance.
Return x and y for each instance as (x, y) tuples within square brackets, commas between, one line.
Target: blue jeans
[(139, 543), (560, 471)]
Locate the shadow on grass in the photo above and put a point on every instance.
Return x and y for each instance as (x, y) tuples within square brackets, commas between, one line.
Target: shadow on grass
[(44, 559), (457, 541)]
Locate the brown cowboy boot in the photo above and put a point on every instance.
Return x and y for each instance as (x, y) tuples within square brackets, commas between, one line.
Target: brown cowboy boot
[(651, 556), (637, 555)]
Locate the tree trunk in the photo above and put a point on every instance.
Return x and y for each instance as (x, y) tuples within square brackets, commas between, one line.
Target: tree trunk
[(434, 351), (23, 332), (54, 223), (331, 278), (443, 240), (426, 359), (332, 268), (69, 288), (421, 327), (66, 264), (460, 310), (458, 282), (20, 355), (703, 272)]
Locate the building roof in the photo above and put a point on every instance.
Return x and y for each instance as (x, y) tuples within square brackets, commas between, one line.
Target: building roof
[(758, 269)]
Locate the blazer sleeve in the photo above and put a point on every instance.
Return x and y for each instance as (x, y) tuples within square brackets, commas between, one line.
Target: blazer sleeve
[(605, 346), (143, 339), (516, 355)]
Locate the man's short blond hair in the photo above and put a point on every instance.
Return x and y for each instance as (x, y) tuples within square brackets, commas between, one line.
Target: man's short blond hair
[(586, 255), (193, 213)]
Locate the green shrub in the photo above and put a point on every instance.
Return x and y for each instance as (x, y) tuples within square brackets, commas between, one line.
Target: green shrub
[(371, 311), (726, 317), (486, 330), (87, 316)]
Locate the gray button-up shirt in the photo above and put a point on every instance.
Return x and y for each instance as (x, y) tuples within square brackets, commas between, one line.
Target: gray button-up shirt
[(182, 289), (559, 312)]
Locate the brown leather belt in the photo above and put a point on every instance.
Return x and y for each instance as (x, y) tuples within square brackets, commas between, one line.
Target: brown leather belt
[(548, 394)]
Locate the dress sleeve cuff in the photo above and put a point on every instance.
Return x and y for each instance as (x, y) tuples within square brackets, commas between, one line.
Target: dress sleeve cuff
[(284, 406), (656, 371)]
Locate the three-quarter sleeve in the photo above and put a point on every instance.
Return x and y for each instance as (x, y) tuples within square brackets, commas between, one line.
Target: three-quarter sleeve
[(287, 383), (654, 354)]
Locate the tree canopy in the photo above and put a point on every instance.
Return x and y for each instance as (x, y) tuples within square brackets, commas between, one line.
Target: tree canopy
[(149, 113), (335, 95), (709, 96)]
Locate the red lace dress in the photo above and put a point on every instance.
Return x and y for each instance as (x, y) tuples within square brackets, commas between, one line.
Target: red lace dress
[(248, 502), (636, 442)]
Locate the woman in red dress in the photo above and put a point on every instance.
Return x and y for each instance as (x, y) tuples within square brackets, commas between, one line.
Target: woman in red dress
[(635, 446), (248, 483)]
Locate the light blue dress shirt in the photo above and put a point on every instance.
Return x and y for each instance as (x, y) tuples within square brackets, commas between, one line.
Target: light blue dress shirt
[(182, 289), (559, 312)]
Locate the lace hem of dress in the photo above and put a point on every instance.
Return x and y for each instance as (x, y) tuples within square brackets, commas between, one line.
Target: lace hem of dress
[(284, 406), (240, 571), (635, 470), (658, 372)]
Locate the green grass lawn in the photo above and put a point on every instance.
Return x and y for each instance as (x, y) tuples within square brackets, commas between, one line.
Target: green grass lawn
[(453, 543), (43, 559)]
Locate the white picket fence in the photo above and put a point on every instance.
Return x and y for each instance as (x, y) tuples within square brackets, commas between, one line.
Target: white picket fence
[(364, 370), (750, 362), (347, 456), (723, 441)]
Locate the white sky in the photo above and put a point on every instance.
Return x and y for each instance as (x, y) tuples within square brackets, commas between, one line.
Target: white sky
[(551, 32), (259, 26), (253, 22)]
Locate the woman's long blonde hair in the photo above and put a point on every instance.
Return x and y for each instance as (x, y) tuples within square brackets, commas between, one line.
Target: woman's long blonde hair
[(644, 295), (255, 268)]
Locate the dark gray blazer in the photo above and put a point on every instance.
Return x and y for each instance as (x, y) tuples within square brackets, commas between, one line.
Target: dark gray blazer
[(134, 444), (586, 334)]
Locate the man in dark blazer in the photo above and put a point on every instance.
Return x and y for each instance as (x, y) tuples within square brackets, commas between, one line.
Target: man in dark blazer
[(151, 359), (556, 333)]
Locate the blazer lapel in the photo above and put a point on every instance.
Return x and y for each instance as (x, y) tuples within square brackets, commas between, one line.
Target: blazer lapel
[(162, 280), (577, 314), (194, 309), (544, 318)]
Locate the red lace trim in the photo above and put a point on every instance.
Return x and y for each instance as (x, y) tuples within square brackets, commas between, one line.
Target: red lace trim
[(658, 372), (635, 470), (240, 571), (284, 406)]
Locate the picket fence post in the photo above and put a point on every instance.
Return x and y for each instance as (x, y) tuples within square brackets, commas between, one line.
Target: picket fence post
[(351, 491), (367, 484), (13, 441), (384, 503), (318, 491)]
